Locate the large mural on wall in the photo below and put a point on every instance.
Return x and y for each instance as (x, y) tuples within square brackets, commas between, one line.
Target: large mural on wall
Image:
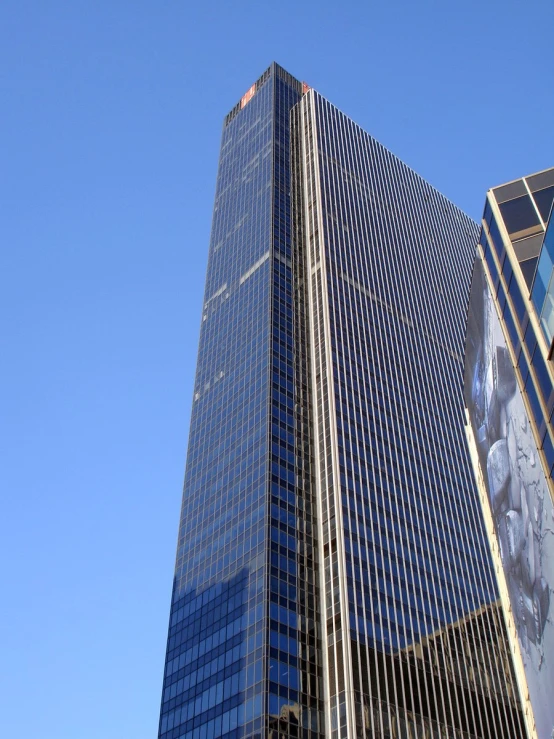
[(518, 494)]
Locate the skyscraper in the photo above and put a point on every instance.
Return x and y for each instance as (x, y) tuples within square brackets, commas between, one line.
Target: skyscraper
[(332, 575), (509, 392)]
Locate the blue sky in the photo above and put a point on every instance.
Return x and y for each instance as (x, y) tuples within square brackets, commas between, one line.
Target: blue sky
[(110, 121)]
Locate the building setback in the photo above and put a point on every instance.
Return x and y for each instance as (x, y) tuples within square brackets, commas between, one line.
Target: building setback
[(332, 575), (509, 393)]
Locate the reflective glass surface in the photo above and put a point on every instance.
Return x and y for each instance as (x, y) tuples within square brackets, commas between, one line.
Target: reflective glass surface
[(543, 199), (519, 214), (243, 651), (543, 286), (332, 575), (528, 269), (409, 607)]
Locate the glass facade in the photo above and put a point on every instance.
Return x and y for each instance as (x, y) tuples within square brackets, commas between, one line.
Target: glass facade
[(332, 576), (414, 641), (521, 272), (243, 647)]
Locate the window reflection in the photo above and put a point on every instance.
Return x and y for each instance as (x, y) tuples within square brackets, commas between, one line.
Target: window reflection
[(519, 215)]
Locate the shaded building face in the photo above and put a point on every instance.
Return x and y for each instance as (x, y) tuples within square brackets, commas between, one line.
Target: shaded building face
[(332, 577), (509, 393), (408, 585)]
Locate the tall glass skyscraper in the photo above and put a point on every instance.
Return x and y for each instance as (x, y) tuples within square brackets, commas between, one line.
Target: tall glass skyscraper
[(332, 575)]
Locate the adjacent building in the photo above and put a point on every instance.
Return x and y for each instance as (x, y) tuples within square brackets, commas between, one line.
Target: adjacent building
[(333, 577), (509, 392)]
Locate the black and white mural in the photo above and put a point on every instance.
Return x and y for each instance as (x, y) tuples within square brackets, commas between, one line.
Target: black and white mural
[(518, 493)]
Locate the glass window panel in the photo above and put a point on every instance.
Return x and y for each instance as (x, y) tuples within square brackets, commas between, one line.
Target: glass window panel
[(545, 266), (543, 199), (519, 214), (497, 241), (534, 401), (548, 449), (523, 367), (509, 191), (489, 258), (539, 286), (549, 238), (528, 269), (507, 271), (487, 215), (511, 327), (501, 297), (543, 375), (529, 247), (547, 317), (540, 180), (529, 339), (517, 299)]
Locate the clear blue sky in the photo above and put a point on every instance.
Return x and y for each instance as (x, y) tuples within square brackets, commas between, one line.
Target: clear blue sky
[(110, 118)]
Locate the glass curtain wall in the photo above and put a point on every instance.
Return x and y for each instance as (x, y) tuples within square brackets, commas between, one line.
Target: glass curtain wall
[(242, 649), (414, 639)]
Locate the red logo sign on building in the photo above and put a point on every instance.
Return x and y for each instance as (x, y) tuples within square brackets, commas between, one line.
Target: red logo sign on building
[(248, 95)]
